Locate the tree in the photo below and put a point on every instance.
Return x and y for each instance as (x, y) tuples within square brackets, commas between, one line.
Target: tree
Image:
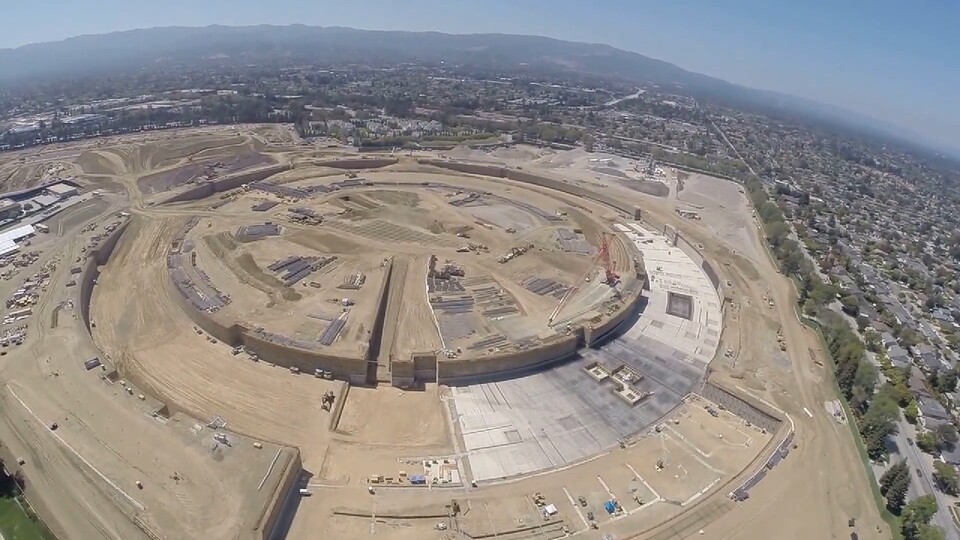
[(890, 476), (945, 381), (850, 305), (946, 478), (866, 377), (896, 494), (770, 212), (945, 436), (916, 517), (927, 442), (911, 412), (877, 423), (929, 532)]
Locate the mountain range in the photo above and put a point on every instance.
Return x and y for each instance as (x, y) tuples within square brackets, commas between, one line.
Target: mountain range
[(135, 49)]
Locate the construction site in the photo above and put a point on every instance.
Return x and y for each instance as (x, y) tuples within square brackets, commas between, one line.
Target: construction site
[(304, 342)]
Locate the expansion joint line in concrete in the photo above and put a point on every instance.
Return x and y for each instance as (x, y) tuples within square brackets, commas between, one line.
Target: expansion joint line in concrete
[(656, 496)]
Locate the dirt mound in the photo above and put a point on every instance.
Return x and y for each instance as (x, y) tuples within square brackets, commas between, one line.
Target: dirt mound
[(94, 162)]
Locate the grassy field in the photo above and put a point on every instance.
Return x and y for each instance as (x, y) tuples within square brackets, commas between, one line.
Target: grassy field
[(16, 525)]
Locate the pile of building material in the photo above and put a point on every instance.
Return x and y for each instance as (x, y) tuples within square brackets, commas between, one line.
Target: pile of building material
[(448, 270), (514, 253), (253, 232), (264, 206), (472, 199), (333, 329), (452, 304), (20, 260), (353, 281), (490, 343), (280, 191), (470, 246), (572, 241), (305, 216), (285, 341), (545, 287), (200, 300), (204, 296), (437, 285), (295, 268), (29, 292), (13, 336)]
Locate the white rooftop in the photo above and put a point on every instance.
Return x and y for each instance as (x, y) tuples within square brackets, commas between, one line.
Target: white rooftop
[(8, 239), (61, 189), (12, 235)]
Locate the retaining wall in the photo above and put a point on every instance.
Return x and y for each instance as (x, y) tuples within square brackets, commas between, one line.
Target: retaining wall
[(90, 270), (419, 368), (226, 183), (425, 366), (353, 369), (692, 251), (711, 274), (283, 499), (402, 373), (743, 405), (463, 371), (235, 334), (374, 163), (629, 210), (595, 334), (379, 321)]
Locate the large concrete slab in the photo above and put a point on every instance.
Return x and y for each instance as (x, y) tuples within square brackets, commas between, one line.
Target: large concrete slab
[(563, 415)]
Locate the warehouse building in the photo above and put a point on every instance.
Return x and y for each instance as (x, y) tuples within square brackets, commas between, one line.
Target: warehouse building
[(62, 191), (9, 239)]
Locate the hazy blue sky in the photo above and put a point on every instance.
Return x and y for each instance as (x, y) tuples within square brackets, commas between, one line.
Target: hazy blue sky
[(893, 60)]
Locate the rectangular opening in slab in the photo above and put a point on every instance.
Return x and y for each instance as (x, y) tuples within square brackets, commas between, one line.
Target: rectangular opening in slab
[(680, 305)]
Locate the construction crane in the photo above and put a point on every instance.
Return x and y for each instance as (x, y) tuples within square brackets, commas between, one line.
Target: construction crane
[(602, 257)]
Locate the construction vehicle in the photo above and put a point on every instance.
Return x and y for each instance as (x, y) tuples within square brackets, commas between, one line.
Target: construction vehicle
[(327, 402)]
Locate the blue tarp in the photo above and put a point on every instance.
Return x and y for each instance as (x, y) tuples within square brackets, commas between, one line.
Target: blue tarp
[(610, 507)]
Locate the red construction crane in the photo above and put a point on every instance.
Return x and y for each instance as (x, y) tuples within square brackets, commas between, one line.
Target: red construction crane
[(612, 278), (602, 257)]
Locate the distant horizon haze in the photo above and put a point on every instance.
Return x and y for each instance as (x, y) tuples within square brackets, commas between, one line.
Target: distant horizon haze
[(884, 59)]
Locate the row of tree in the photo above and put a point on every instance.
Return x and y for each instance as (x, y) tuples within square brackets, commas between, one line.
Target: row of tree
[(875, 410)]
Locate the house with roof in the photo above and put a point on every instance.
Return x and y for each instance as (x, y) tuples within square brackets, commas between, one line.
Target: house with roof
[(928, 357), (932, 413), (899, 356), (951, 456)]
